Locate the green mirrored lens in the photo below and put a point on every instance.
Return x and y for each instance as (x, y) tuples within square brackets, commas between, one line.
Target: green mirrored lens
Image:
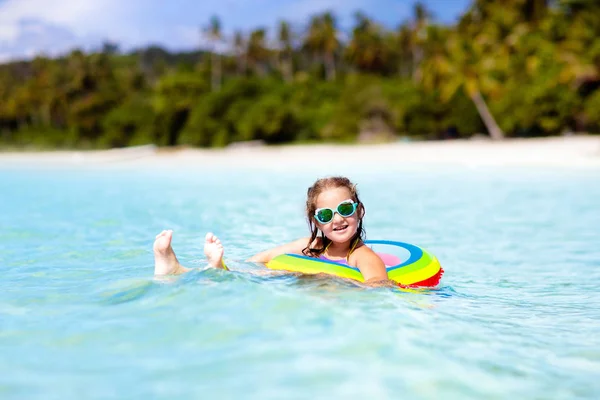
[(346, 209), (325, 215)]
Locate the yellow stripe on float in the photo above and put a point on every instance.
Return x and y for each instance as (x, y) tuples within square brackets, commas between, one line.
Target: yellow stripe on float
[(314, 267), (418, 275)]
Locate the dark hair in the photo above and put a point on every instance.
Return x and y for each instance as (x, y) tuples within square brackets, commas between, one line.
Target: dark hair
[(311, 205)]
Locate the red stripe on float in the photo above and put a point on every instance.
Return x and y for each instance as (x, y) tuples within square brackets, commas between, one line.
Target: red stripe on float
[(429, 282)]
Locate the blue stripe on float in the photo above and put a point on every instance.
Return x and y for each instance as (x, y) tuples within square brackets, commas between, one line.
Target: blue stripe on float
[(416, 253)]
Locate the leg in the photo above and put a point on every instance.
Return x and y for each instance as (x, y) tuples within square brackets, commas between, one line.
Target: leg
[(165, 261), (213, 249)]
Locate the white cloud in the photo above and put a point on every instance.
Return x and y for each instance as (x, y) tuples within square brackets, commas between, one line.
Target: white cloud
[(129, 23), (8, 32), (35, 37), (79, 16), (31, 26), (28, 27)]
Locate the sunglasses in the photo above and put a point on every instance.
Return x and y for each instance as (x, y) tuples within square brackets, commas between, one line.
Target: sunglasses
[(346, 208)]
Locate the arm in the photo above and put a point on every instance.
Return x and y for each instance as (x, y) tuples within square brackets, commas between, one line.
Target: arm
[(294, 247), (371, 267)]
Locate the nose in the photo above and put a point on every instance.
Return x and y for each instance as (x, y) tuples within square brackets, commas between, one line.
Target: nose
[(337, 217)]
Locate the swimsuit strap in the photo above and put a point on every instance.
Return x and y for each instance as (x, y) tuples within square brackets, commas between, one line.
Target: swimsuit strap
[(352, 249), (349, 252)]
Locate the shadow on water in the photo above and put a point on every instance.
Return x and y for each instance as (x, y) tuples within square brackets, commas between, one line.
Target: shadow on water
[(129, 290), (125, 291), (446, 292), (257, 273)]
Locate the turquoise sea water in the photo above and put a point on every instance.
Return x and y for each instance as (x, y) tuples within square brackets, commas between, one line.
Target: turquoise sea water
[(517, 314)]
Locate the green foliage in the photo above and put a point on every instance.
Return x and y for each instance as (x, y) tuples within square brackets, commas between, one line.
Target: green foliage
[(214, 117), (534, 65), (314, 103), (538, 106), (362, 108), (592, 111), (462, 116), (131, 123), (245, 109)]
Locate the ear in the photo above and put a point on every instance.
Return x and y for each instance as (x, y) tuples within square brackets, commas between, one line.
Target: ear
[(362, 210)]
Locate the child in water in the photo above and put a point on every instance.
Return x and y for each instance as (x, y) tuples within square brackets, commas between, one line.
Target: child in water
[(332, 207)]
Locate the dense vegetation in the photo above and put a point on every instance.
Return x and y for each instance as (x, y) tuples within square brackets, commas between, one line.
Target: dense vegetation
[(506, 68)]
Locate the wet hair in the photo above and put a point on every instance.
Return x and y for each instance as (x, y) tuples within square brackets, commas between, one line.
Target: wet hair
[(314, 191)]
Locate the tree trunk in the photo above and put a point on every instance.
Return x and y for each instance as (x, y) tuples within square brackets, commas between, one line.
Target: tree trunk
[(259, 68), (417, 58), (241, 64), (330, 66), (487, 117), (286, 69), (215, 72)]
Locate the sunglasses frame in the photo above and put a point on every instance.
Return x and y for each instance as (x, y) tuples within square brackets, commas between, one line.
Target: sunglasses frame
[(336, 210)]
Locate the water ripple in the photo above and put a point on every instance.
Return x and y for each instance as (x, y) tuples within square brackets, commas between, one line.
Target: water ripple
[(81, 315)]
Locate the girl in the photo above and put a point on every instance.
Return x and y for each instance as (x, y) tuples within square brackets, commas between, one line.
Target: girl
[(332, 209)]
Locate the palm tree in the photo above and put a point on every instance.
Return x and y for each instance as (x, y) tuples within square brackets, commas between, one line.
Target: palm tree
[(462, 64), (535, 10), (257, 51), (405, 51), (367, 50), (579, 50), (419, 36), (330, 44), (239, 45), (213, 34), (322, 40), (285, 51)]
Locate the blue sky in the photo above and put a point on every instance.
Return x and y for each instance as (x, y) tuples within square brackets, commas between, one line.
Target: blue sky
[(30, 27)]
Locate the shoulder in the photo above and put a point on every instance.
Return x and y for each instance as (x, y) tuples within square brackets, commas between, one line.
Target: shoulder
[(365, 254), (300, 244), (369, 263)]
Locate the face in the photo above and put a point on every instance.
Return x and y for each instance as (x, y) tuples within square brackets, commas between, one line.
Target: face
[(340, 229)]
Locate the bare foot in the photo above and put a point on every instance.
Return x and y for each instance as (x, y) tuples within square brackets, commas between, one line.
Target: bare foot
[(213, 250), (165, 261)]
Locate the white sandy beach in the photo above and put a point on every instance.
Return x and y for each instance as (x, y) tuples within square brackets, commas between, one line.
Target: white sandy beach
[(569, 151)]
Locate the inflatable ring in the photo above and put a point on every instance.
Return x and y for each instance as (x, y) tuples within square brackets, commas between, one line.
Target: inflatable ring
[(407, 264)]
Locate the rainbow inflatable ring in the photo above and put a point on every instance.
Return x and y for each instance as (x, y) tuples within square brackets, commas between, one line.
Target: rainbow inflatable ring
[(407, 264)]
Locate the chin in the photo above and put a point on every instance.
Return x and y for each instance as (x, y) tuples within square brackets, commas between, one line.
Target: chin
[(345, 237)]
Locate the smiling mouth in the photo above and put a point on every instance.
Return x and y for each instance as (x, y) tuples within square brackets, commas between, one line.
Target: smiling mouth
[(340, 228)]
